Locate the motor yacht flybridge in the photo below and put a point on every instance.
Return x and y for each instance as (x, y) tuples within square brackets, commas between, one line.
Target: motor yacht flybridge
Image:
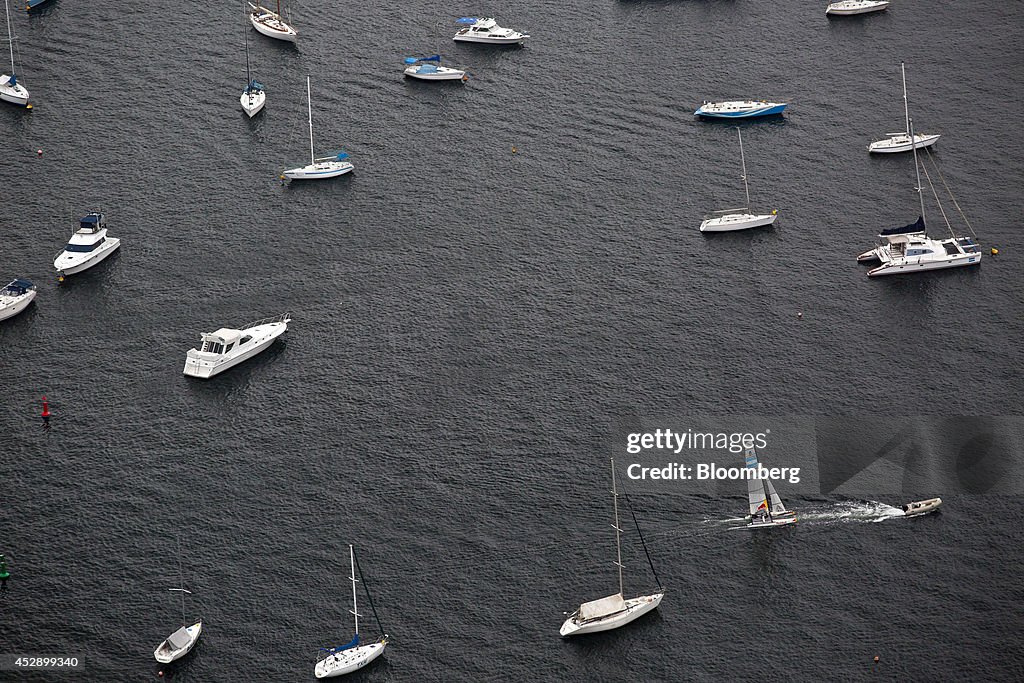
[(87, 247)]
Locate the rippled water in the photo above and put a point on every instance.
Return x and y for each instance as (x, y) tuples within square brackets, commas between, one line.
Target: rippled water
[(470, 324)]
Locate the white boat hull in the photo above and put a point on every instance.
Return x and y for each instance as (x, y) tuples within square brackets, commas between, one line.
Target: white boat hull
[(901, 266), (69, 263), (777, 521), (442, 73), (252, 103), (492, 40), (317, 171), (271, 25), (11, 306), (349, 660), (635, 608), (737, 221), (902, 143), (165, 655), (921, 507), (845, 9), (15, 95), (206, 365)]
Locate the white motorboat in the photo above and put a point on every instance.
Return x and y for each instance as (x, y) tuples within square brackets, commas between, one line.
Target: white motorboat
[(323, 167), (430, 69), (766, 507), (271, 23), (740, 109), (845, 8), (338, 661), (729, 220), (181, 642), (15, 298), (909, 249), (902, 142), (478, 30), (613, 611), (87, 247), (227, 347), (254, 96), (921, 507), (10, 90)]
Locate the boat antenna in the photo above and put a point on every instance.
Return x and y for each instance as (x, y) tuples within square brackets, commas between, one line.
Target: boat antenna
[(245, 32), (743, 163), (913, 146), (906, 107), (355, 606), (309, 107), (642, 542), (369, 597), (618, 531)]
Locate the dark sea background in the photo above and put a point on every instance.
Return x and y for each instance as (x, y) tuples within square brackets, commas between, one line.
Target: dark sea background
[(472, 327)]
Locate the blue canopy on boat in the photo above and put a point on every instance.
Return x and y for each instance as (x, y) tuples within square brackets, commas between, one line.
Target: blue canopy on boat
[(253, 85), (913, 227), (342, 156), (90, 221), (413, 60), (354, 642), (466, 20), (18, 287)]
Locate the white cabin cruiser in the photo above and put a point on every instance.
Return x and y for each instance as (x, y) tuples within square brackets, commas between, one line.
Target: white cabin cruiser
[(179, 643), (227, 347), (487, 31), (430, 69), (903, 142), (845, 8), (271, 24), (921, 507), (15, 298), (87, 247)]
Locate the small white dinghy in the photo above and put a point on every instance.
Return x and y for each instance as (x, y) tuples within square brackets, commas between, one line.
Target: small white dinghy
[(227, 347), (87, 247), (271, 23), (15, 298), (845, 8), (729, 220), (921, 507), (430, 69), (181, 642), (339, 661), (766, 507), (323, 167), (487, 31), (613, 611)]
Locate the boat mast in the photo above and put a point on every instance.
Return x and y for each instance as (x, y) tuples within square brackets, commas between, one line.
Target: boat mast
[(917, 171), (906, 107), (309, 106), (181, 584), (767, 500), (618, 531), (10, 36), (245, 33), (743, 163), (355, 606)]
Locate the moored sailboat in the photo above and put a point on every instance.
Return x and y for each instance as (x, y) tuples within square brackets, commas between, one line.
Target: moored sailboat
[(271, 23), (323, 167), (728, 220), (253, 96), (902, 142), (10, 89), (181, 642)]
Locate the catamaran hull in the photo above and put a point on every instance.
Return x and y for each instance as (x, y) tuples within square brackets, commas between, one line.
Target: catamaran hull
[(774, 523), (348, 661), (635, 608), (17, 306), (733, 222), (253, 104), (898, 144), (198, 366), (70, 266), (901, 267)]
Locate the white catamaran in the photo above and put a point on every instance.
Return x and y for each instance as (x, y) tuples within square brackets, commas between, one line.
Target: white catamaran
[(324, 167), (615, 610), (766, 508), (729, 220), (352, 657)]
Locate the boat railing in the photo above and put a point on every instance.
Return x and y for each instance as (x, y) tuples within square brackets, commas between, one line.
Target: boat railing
[(724, 212), (266, 321)]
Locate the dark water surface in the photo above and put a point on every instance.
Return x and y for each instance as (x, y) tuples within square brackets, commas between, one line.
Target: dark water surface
[(470, 325)]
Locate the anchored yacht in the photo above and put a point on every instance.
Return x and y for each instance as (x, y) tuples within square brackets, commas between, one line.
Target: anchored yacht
[(15, 298), (487, 31), (270, 23), (87, 247), (430, 69), (845, 8), (745, 109), (227, 347)]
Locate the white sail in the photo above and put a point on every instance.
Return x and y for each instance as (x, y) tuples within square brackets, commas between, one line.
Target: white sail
[(756, 493), (776, 502)]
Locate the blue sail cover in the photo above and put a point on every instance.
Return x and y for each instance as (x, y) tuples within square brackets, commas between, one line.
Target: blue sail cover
[(413, 60), (342, 156), (253, 86), (466, 20), (353, 643), (913, 227), (34, 3)]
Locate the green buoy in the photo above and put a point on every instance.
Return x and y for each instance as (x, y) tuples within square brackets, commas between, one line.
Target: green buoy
[(4, 574)]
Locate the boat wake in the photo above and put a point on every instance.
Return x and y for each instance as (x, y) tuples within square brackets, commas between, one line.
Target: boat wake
[(864, 511)]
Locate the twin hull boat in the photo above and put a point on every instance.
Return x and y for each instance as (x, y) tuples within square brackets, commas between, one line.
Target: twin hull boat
[(228, 347)]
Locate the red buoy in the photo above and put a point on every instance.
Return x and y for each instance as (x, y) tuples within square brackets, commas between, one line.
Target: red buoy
[(46, 412)]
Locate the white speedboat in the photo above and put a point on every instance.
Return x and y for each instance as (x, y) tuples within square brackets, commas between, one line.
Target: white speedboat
[(478, 30), (430, 69), (613, 611), (271, 24), (766, 507), (179, 643), (10, 90), (902, 142), (227, 347), (322, 167), (338, 661), (740, 109), (921, 507), (845, 8), (15, 298), (87, 247), (729, 220)]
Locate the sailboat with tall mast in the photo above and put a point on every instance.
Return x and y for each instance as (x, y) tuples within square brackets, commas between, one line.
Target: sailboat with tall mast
[(323, 167), (903, 142), (613, 611), (271, 23), (729, 220), (353, 656), (766, 507), (909, 249), (179, 643), (10, 89), (254, 96)]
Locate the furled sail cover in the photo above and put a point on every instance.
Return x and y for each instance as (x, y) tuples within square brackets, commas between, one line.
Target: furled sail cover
[(755, 489), (595, 609), (913, 227), (179, 639), (466, 20)]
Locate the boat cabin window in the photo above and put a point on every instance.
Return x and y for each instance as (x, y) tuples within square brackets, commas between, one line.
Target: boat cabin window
[(245, 340), (85, 247), (213, 347), (230, 346), (918, 252)]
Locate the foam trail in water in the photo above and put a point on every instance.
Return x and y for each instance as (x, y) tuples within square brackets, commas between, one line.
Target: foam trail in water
[(851, 511)]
